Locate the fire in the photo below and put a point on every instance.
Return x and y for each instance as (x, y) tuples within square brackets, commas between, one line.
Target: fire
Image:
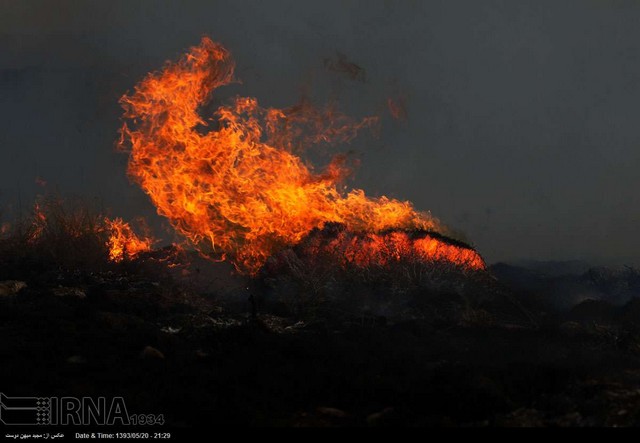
[(382, 249), (239, 191), (38, 224), (123, 243)]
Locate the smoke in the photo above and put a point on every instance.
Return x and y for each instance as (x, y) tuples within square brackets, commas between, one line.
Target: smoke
[(521, 115)]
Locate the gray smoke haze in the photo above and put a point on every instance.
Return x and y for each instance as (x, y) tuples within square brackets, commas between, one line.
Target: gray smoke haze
[(521, 126)]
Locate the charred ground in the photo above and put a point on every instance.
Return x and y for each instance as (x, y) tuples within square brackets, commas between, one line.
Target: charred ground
[(324, 348)]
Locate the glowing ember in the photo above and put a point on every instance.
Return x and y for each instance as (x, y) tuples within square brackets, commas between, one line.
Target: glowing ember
[(38, 224), (123, 243), (385, 248), (397, 108), (239, 191)]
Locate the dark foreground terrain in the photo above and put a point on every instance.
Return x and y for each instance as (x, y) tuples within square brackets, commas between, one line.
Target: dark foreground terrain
[(195, 353)]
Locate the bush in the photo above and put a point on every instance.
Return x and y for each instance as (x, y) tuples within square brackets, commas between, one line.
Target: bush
[(57, 235), (316, 276)]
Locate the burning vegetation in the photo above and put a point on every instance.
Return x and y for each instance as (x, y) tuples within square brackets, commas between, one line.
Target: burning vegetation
[(239, 191), (71, 235), (123, 242)]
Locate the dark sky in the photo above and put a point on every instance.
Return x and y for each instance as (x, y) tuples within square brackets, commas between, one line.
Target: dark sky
[(522, 126)]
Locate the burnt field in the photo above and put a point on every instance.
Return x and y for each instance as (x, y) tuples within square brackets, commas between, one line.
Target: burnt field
[(204, 346)]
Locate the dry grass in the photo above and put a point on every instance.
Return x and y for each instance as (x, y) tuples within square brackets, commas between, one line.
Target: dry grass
[(64, 234), (320, 283)]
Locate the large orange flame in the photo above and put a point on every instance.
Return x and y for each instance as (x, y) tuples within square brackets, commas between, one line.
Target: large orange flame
[(239, 190)]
